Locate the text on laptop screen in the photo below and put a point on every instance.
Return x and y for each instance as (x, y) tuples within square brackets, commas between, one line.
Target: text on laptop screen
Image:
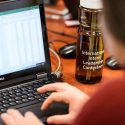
[(21, 41)]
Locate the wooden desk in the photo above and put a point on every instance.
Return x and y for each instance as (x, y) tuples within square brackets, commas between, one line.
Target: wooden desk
[(69, 64)]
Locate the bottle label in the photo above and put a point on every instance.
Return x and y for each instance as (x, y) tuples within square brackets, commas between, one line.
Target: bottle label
[(94, 60)]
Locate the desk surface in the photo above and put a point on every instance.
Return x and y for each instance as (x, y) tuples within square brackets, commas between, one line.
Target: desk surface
[(69, 64)]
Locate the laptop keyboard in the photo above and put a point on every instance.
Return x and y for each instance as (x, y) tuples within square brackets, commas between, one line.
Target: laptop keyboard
[(22, 95)]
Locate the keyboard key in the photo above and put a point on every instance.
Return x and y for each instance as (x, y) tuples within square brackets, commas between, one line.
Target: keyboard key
[(30, 95), (44, 95), (19, 87), (17, 90), (40, 84), (1, 107), (1, 99), (11, 92), (31, 98), (5, 101), (17, 98), (36, 85), (3, 110), (30, 87), (41, 99), (24, 92), (35, 93), (48, 81), (19, 102), (48, 93), (38, 96), (5, 94), (35, 89), (24, 89), (11, 100), (1, 95), (24, 96), (25, 100), (12, 103), (6, 105), (30, 91), (6, 97), (19, 94), (12, 96)]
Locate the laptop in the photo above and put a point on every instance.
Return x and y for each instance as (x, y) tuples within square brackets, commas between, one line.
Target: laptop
[(24, 58), (50, 2), (73, 6)]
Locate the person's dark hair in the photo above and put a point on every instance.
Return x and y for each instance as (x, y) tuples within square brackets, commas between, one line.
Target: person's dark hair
[(114, 15)]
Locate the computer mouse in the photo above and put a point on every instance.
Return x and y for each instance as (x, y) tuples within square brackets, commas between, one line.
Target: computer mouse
[(112, 63), (68, 51)]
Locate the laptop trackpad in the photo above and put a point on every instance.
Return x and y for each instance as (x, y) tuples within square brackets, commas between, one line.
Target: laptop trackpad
[(35, 109), (55, 108)]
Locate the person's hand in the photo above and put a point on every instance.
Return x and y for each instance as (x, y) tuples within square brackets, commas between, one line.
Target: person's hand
[(64, 92), (14, 117)]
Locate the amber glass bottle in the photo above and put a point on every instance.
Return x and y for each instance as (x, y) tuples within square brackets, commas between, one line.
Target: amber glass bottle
[(90, 49)]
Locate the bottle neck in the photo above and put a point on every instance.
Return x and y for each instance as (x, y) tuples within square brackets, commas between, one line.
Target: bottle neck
[(89, 18)]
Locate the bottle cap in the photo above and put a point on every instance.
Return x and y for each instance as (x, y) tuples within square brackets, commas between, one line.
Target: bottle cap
[(91, 4)]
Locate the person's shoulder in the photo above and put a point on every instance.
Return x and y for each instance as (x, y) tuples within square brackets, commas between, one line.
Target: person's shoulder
[(106, 106), (117, 84), (114, 88)]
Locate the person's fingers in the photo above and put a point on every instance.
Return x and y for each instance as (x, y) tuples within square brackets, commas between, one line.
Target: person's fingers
[(55, 97), (7, 119), (52, 87), (31, 119), (16, 115), (60, 119)]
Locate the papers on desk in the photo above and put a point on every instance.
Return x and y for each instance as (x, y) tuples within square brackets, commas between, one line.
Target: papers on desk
[(55, 11), (58, 17), (72, 23)]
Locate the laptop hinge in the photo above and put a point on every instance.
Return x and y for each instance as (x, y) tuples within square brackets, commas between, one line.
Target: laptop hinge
[(41, 75)]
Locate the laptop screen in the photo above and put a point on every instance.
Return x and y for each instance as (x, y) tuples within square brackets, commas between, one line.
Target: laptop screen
[(21, 40), (73, 6)]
